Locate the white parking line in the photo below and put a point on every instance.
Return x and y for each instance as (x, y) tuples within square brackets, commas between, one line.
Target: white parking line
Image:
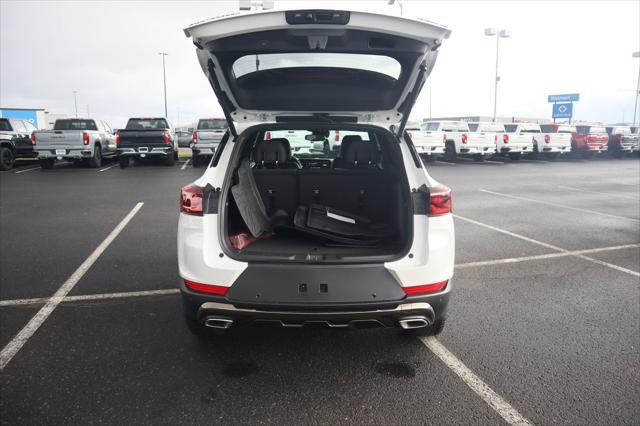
[(495, 401), (184, 166), (108, 168), (12, 348), (540, 243), (539, 257), (28, 170), (90, 297), (608, 194), (531, 200)]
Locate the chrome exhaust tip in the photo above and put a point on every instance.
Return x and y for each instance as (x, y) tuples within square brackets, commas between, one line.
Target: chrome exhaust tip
[(409, 323), (219, 323)]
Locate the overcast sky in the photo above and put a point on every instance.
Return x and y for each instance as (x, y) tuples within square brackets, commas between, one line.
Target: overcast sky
[(108, 52)]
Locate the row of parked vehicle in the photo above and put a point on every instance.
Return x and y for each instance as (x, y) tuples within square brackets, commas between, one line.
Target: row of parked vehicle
[(90, 141), (481, 140)]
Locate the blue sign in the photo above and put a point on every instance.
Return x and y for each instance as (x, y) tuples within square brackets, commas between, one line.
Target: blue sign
[(23, 114), (571, 97), (562, 110)]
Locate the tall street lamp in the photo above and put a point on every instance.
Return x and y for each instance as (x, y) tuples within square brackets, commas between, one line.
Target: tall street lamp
[(498, 34), (75, 101), (392, 2), (635, 106), (164, 78)]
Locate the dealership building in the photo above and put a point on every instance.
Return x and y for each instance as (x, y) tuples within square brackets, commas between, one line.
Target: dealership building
[(37, 116)]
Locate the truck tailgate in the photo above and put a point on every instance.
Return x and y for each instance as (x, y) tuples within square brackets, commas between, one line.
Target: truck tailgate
[(52, 139), (480, 138), (210, 136), (147, 138)]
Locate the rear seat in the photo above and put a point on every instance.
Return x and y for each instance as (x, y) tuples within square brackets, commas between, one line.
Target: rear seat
[(275, 173)]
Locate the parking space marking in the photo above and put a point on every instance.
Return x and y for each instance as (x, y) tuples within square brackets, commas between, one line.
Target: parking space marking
[(12, 348), (28, 170), (531, 200), (495, 401), (184, 166), (551, 246), (598, 192), (108, 168), (90, 297), (540, 256)]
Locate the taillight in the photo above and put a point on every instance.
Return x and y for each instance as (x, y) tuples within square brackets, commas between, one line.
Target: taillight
[(440, 202), (191, 200), (337, 138), (167, 137), (206, 288), (444, 137), (118, 138), (547, 138), (425, 288), (464, 138), (85, 138), (267, 136), (505, 138), (194, 137), (33, 138)]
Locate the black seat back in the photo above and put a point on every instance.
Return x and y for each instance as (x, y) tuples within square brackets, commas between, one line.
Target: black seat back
[(274, 154), (357, 154)]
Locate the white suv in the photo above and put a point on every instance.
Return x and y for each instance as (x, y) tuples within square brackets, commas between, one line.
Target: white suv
[(359, 238)]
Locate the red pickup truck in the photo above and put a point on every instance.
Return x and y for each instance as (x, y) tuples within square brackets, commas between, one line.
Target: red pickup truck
[(589, 140)]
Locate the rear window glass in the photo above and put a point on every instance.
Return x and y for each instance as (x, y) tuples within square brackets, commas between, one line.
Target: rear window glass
[(319, 144), (510, 128), (212, 124), (548, 128), (375, 63), (490, 128), (473, 126), (598, 130), (75, 125), (5, 125), (429, 126), (147, 123)]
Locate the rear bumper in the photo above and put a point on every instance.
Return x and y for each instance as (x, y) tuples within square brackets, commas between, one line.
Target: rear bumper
[(203, 149), (430, 149), (477, 149), (69, 153), (143, 152), (555, 148), (515, 148)]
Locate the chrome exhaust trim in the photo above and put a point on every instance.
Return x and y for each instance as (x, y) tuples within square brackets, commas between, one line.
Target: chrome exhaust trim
[(409, 323), (220, 323)]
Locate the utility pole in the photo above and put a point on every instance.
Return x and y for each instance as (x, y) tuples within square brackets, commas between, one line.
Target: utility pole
[(75, 101), (635, 106), (498, 35), (164, 78), (392, 2)]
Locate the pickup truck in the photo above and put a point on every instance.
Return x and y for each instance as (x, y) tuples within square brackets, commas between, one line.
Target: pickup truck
[(15, 141), (459, 141), (621, 140), (206, 138), (556, 140), (75, 139), (522, 138), (588, 140), (147, 137), (428, 143)]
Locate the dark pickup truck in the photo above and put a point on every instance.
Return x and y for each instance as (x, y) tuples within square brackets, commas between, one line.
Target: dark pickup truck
[(147, 137), (15, 141)]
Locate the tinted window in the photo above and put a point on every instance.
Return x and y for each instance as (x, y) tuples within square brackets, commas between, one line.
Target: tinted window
[(212, 124), (548, 128), (313, 143), (73, 124), (5, 125), (147, 124), (510, 128), (429, 126), (582, 129), (473, 127)]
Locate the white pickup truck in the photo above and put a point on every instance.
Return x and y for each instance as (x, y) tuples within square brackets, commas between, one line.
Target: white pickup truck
[(555, 140), (518, 139), (75, 139), (428, 143), (206, 138), (459, 141)]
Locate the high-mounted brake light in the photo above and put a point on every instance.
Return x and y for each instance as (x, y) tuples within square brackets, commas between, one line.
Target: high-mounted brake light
[(464, 138), (415, 290), (191, 200), (267, 136), (33, 138), (337, 138), (194, 137), (206, 288), (167, 137), (505, 138), (547, 138), (118, 137), (85, 138), (440, 202)]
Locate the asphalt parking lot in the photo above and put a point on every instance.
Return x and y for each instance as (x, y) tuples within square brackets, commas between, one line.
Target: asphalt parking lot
[(543, 323)]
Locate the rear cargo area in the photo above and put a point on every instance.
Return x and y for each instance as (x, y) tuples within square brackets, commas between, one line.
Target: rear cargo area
[(353, 207)]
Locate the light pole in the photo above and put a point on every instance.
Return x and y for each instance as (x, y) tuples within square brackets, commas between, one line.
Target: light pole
[(75, 101), (498, 34), (635, 106), (391, 2), (164, 78)]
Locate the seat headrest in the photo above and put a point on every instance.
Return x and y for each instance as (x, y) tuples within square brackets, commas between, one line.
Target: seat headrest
[(348, 140), (272, 151), (360, 153)]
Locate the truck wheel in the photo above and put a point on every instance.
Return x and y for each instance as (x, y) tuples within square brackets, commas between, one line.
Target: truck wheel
[(515, 156), (7, 158), (47, 163), (195, 160), (433, 330), (170, 159), (615, 150), (450, 153), (96, 160), (326, 147), (124, 162)]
